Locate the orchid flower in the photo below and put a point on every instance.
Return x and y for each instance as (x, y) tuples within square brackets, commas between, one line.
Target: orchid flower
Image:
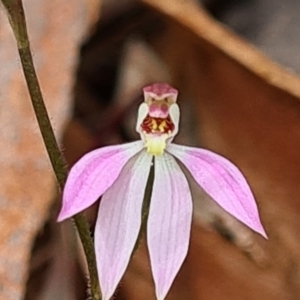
[(119, 174)]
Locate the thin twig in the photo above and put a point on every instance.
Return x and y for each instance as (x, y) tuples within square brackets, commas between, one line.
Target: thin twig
[(17, 20)]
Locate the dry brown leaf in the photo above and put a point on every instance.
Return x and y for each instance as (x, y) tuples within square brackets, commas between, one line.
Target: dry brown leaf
[(26, 186), (248, 109)]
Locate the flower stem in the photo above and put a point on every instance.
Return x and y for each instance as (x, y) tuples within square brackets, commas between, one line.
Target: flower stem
[(17, 20), (145, 209)]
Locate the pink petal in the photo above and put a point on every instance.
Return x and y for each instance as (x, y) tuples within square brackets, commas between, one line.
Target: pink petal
[(169, 222), (222, 181), (160, 90), (92, 175), (119, 221)]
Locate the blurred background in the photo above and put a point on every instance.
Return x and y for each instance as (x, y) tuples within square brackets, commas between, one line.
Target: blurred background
[(235, 64)]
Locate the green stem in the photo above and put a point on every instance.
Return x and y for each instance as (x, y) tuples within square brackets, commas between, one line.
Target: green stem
[(145, 209), (18, 23), (88, 247)]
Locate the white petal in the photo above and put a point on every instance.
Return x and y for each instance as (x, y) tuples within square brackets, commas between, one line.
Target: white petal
[(119, 221), (142, 113), (169, 222), (174, 112)]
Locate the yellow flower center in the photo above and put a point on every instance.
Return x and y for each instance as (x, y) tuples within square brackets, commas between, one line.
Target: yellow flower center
[(155, 146), (156, 132)]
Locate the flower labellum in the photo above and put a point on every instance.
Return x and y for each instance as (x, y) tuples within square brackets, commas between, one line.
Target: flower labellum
[(119, 174)]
